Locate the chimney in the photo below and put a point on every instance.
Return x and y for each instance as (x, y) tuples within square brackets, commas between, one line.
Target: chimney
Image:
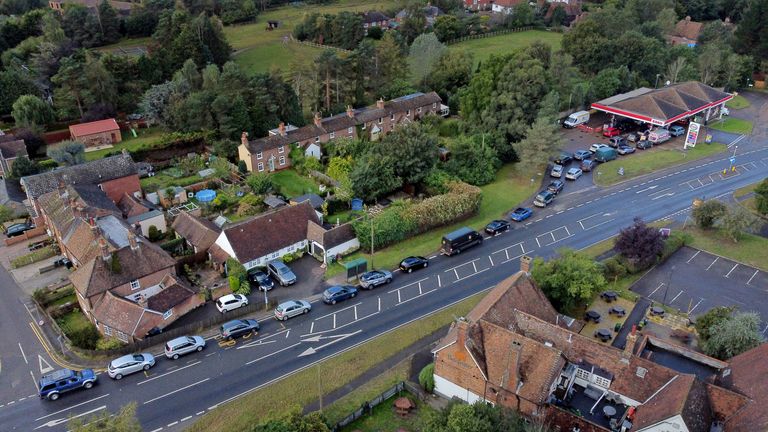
[(141, 300), (62, 187), (318, 120), (132, 241), (281, 128), (462, 328), (350, 112), (105, 255), (125, 152), (244, 138), (629, 346), (688, 18), (380, 103), (525, 264), (94, 227), (73, 207)]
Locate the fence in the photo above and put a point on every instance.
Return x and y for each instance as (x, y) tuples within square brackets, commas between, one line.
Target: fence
[(490, 34), (317, 45), (368, 406), (324, 178), (26, 235)]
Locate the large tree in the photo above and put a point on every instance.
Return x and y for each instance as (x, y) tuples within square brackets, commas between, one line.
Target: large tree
[(374, 176), (761, 197), (751, 35), (13, 84), (733, 336), (124, 421), (413, 149), (450, 73), (67, 153), (31, 112), (425, 51), (736, 221), (109, 23), (570, 279), (640, 244), (473, 160), (708, 213), (542, 141), (713, 317)]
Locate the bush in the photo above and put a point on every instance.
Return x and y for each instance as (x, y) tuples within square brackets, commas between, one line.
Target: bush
[(614, 268), (172, 245), (427, 378), (86, 337), (106, 344), (242, 167), (674, 243), (708, 213), (154, 234)]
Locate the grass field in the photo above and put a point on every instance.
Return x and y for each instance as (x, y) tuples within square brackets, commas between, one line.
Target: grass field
[(146, 137), (750, 249), (733, 125), (648, 161), (738, 102), (291, 184), (301, 388), (384, 419), (482, 48)]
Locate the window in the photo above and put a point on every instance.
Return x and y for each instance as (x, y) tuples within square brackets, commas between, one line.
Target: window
[(290, 248), (364, 126), (100, 187), (392, 117), (380, 120), (168, 314), (581, 373), (122, 336), (408, 113), (351, 130), (602, 382), (434, 105), (281, 149), (317, 139), (261, 166), (107, 330), (418, 110), (333, 135), (259, 155), (135, 284), (282, 160)]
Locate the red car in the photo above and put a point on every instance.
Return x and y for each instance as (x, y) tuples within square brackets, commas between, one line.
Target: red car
[(611, 132)]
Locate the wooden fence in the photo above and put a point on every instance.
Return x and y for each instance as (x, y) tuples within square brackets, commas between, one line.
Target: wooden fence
[(368, 406), (317, 45), (26, 235), (490, 34)]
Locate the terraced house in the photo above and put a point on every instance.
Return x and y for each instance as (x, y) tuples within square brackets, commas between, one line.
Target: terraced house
[(272, 153)]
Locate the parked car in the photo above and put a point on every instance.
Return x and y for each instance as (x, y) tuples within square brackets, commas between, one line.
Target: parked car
[(564, 159), (725, 111), (587, 165), (231, 302), (595, 147), (633, 137), (520, 214), (497, 226), (413, 262), (281, 272), (643, 145), (611, 132), (543, 198), (555, 186), (261, 280), (291, 308), (63, 262), (339, 293), (52, 385), (573, 174), (557, 171), (605, 154), (128, 364), (582, 154), (617, 141), (236, 328), (18, 229), (374, 278), (175, 348), (463, 238), (625, 150), (676, 130)]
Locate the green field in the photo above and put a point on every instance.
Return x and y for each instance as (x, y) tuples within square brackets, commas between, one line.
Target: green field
[(733, 125), (146, 137), (482, 48), (647, 161), (291, 184), (738, 102)]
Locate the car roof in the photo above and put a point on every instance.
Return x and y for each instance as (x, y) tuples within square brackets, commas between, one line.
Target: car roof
[(57, 375), (521, 209), (289, 303), (574, 169)]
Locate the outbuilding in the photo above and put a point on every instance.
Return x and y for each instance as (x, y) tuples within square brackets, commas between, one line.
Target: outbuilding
[(101, 133)]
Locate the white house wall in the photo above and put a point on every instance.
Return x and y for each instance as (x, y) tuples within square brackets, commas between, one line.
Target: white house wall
[(223, 243), (313, 150), (156, 221), (262, 261), (341, 249), (450, 390)]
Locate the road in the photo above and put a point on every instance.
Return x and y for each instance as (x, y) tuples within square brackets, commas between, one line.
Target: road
[(174, 393)]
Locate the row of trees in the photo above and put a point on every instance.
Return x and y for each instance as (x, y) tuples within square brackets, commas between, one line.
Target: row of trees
[(344, 30)]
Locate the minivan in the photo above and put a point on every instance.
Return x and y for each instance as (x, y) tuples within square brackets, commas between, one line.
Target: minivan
[(543, 198), (281, 272), (183, 345), (457, 241)]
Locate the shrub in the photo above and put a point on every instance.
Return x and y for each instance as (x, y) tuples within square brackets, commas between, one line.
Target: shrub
[(86, 337), (708, 213), (172, 245), (114, 263), (427, 378), (106, 344), (614, 268), (674, 243), (154, 234), (242, 167)]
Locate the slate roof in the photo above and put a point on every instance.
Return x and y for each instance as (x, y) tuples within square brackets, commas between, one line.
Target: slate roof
[(10, 192), (89, 173), (315, 200), (332, 237), (199, 232), (12, 149), (95, 127), (374, 16), (269, 232)]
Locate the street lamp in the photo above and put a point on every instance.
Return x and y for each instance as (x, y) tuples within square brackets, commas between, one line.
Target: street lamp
[(656, 84)]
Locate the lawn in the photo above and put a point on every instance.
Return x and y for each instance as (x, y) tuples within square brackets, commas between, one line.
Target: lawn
[(648, 161), (384, 419), (738, 102), (733, 125), (33, 257), (298, 389), (511, 187), (291, 184), (146, 138), (482, 48), (73, 322), (750, 249), (162, 181)]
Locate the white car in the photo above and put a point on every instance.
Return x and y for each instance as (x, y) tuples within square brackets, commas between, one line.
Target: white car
[(557, 171), (595, 147), (573, 174), (230, 302)]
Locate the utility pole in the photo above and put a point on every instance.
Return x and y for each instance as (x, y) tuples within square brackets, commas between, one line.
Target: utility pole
[(370, 217), (319, 388)]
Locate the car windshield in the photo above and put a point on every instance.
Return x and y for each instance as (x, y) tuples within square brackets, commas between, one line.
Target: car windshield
[(190, 340), (280, 308)]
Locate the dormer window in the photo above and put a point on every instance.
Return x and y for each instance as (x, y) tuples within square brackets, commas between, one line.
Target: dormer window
[(333, 135), (135, 284)]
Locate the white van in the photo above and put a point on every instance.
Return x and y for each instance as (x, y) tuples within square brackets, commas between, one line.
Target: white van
[(659, 136), (575, 119)]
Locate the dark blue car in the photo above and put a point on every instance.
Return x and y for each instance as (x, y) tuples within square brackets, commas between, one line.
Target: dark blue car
[(52, 385), (497, 226), (520, 214), (339, 293), (413, 262)]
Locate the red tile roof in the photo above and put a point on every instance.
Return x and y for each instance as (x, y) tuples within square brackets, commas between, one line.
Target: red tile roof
[(748, 375), (85, 129)]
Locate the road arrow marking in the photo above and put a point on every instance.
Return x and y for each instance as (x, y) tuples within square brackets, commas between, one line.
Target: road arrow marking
[(47, 368), (255, 343), (662, 196), (647, 189), (336, 338), (53, 423)]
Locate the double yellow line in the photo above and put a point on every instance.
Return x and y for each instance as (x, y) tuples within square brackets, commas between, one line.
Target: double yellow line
[(52, 353)]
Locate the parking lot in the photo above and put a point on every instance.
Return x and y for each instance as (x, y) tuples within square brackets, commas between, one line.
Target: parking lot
[(695, 281)]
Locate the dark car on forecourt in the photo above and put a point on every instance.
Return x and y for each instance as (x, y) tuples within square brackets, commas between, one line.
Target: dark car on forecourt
[(241, 327), (261, 279)]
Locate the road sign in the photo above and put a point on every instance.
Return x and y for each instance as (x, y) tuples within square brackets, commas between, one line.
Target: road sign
[(692, 136), (733, 160)]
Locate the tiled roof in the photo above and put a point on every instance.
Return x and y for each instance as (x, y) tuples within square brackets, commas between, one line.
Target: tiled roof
[(748, 375), (84, 129), (332, 237), (10, 191), (126, 316), (270, 232), (315, 200), (175, 292), (688, 29), (131, 206), (12, 149), (89, 173), (684, 395), (199, 232), (725, 403), (315, 232), (374, 16)]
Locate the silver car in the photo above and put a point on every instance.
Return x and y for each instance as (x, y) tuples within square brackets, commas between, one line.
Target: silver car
[(128, 364), (281, 272), (291, 308), (183, 345), (374, 278)]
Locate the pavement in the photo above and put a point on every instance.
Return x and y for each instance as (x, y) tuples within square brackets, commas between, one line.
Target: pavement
[(174, 393)]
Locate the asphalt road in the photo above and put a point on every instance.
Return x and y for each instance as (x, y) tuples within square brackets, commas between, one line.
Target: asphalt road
[(174, 393)]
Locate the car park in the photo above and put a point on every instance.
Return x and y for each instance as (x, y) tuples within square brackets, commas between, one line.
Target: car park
[(611, 132), (339, 293), (543, 198), (292, 308), (625, 150), (374, 278), (175, 348), (595, 147), (18, 229), (128, 364), (520, 214), (236, 328), (281, 272), (582, 154), (587, 165), (463, 238), (413, 262), (53, 384), (573, 174), (643, 145), (555, 186), (231, 302), (261, 280), (676, 130), (557, 171), (617, 141), (564, 159), (496, 227)]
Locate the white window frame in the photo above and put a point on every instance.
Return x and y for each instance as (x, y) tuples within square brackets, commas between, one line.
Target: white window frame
[(260, 166), (167, 314), (381, 120), (418, 110), (317, 139), (434, 105), (107, 330), (282, 160), (363, 126), (408, 113), (392, 117), (259, 155), (122, 336), (332, 135), (135, 284), (281, 149), (350, 130)]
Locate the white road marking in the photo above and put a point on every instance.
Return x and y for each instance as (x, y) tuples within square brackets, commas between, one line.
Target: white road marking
[(287, 333), (657, 288), (753, 276), (713, 263), (561, 211), (271, 354), (765, 329), (398, 296), (474, 266), (312, 327), (694, 256), (491, 260), (734, 268), (168, 373), (380, 301), (537, 242), (186, 418), (695, 306), (336, 339), (663, 196), (173, 424), (22, 353), (334, 320), (355, 309), (425, 293), (200, 413), (569, 209), (157, 430), (658, 192), (41, 361), (439, 282), (53, 423), (340, 310), (678, 295), (72, 407)]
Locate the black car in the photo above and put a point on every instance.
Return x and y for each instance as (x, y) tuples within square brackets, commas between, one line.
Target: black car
[(18, 229), (339, 293), (497, 226), (564, 159), (412, 263), (262, 280), (556, 186), (236, 328)]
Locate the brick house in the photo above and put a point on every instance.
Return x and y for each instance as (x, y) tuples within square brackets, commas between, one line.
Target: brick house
[(375, 19), (96, 134), (513, 349), (271, 153), (10, 149)]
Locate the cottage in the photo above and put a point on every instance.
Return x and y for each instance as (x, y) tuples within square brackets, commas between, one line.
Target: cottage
[(10, 149), (328, 245), (199, 233), (375, 19), (97, 134), (430, 13), (142, 214)]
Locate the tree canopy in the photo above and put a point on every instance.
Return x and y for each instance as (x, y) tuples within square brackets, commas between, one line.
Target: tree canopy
[(640, 244), (570, 279)]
